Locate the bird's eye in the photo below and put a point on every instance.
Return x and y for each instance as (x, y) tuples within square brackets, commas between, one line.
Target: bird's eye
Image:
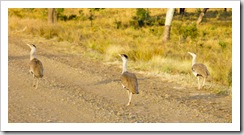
[(125, 56)]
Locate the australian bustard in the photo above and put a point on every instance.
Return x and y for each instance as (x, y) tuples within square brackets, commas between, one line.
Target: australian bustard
[(199, 70), (128, 80), (36, 67)]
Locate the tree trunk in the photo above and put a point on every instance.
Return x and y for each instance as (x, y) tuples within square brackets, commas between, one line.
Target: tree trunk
[(168, 21), (199, 20), (52, 16), (182, 11)]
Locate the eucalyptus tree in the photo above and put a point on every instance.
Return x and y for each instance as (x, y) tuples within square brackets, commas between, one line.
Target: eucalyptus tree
[(52, 16), (168, 21), (199, 20)]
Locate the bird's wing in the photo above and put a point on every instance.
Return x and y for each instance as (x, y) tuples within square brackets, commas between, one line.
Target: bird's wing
[(129, 80), (37, 67), (200, 69)]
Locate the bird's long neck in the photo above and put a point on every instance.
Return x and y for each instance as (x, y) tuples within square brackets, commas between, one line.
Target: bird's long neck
[(194, 60), (124, 66), (33, 53)]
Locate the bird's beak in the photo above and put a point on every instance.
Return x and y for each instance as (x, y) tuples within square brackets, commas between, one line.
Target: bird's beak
[(28, 45), (119, 55)]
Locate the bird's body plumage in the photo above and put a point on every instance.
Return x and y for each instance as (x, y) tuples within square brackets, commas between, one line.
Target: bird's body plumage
[(36, 68), (200, 69), (129, 81)]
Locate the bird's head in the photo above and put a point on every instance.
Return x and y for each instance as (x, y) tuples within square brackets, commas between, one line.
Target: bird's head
[(192, 54), (124, 57), (32, 46)]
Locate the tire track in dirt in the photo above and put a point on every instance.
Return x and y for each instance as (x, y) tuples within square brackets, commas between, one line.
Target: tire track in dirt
[(76, 89)]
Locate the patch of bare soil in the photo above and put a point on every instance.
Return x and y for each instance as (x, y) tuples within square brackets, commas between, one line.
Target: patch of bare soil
[(79, 90)]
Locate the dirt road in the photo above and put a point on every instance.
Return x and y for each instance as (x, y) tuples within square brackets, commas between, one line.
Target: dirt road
[(79, 89)]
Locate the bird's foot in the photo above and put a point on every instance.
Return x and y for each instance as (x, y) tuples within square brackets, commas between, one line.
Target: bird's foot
[(128, 104), (35, 86)]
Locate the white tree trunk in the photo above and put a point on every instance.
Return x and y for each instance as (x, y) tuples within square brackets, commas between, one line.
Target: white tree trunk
[(199, 20), (52, 17), (168, 21)]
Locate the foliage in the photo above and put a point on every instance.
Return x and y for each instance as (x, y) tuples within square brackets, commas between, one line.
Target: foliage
[(143, 18), (189, 30), (62, 17), (223, 44)]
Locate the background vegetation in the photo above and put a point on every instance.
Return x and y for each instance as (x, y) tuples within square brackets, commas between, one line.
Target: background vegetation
[(103, 33)]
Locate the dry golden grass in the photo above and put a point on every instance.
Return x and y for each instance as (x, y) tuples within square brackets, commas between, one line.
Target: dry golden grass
[(213, 44)]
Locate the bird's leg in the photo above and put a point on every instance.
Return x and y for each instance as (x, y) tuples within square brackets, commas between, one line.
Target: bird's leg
[(32, 73), (37, 80), (34, 82), (130, 96), (198, 79), (128, 92), (204, 79)]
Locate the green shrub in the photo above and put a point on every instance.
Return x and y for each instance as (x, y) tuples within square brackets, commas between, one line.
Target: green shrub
[(189, 31), (141, 19), (222, 44), (198, 11), (60, 14), (142, 16)]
